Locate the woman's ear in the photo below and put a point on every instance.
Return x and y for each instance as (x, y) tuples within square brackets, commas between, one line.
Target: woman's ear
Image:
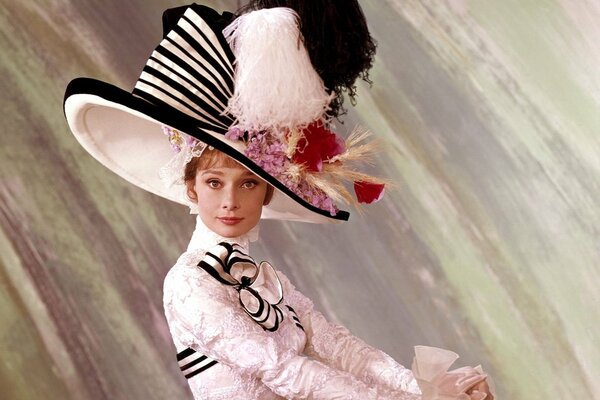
[(268, 194), (191, 191)]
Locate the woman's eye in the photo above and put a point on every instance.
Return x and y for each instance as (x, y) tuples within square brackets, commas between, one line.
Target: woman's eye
[(213, 183), (249, 184)]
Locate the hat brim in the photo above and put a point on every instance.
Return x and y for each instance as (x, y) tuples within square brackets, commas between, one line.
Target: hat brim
[(124, 133)]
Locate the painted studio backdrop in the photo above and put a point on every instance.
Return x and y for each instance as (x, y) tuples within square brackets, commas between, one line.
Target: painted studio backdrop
[(488, 244)]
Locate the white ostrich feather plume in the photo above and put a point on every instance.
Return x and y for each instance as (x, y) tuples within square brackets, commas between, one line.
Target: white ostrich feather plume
[(276, 85)]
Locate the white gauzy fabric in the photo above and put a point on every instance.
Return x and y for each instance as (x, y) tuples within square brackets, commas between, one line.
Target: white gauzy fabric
[(172, 173), (323, 361)]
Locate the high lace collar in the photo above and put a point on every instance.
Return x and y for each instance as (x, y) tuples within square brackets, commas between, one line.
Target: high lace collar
[(204, 238)]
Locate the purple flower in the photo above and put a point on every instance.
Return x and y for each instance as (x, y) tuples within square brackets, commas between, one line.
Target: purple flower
[(269, 153)]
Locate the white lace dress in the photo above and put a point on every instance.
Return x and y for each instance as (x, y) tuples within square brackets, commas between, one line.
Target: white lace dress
[(227, 355)]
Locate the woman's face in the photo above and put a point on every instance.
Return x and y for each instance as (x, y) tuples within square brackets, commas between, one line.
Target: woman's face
[(230, 200)]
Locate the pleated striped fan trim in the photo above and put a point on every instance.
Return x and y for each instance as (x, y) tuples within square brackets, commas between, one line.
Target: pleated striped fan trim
[(191, 71), (191, 363), (219, 262), (219, 265)]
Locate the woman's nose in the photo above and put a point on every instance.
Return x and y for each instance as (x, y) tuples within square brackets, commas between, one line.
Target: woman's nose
[(230, 200)]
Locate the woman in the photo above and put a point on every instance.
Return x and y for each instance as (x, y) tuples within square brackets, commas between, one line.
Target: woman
[(248, 115), (257, 360)]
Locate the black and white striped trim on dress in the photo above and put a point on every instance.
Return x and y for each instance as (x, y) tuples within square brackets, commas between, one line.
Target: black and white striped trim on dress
[(192, 363), (220, 262), (295, 317)]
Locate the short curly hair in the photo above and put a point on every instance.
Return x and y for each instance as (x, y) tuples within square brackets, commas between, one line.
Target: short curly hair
[(338, 41)]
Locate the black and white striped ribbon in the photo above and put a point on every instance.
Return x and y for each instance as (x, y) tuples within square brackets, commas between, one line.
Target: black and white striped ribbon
[(191, 70), (259, 288), (192, 363), (295, 317)]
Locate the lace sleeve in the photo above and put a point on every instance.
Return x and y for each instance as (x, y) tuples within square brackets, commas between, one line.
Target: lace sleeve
[(334, 345), (206, 316)]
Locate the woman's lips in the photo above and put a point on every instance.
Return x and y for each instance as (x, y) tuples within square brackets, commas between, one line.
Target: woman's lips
[(230, 220)]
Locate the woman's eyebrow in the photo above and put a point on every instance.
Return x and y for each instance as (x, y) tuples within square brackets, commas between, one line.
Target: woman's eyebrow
[(212, 171)]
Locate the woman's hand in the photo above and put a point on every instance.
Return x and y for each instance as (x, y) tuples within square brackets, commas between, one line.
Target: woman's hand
[(480, 391), (430, 369), (459, 381)]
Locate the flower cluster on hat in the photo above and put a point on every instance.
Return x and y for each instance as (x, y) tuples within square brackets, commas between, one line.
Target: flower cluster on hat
[(311, 162), (269, 150), (317, 145), (177, 139)]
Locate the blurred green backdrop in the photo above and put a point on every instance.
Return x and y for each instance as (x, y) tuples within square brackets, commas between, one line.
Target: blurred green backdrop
[(489, 245)]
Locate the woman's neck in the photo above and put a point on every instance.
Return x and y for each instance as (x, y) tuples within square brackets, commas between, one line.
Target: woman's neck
[(204, 238)]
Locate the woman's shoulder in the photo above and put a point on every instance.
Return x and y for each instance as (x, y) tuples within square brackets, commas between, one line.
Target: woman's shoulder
[(186, 270), (189, 286)]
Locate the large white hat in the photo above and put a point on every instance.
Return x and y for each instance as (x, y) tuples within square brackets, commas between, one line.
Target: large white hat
[(187, 85)]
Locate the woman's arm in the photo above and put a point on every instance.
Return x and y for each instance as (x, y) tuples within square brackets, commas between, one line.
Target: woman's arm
[(334, 345), (204, 316)]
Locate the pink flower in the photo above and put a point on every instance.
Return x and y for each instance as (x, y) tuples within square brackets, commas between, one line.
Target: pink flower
[(367, 192), (317, 145), (234, 133), (269, 153)]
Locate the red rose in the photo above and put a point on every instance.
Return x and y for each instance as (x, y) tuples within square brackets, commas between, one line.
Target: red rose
[(317, 145), (367, 192)]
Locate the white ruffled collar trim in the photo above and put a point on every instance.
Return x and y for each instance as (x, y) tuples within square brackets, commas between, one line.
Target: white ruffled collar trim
[(204, 238)]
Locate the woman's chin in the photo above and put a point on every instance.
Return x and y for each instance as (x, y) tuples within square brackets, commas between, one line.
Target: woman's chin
[(230, 228), (230, 231)]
